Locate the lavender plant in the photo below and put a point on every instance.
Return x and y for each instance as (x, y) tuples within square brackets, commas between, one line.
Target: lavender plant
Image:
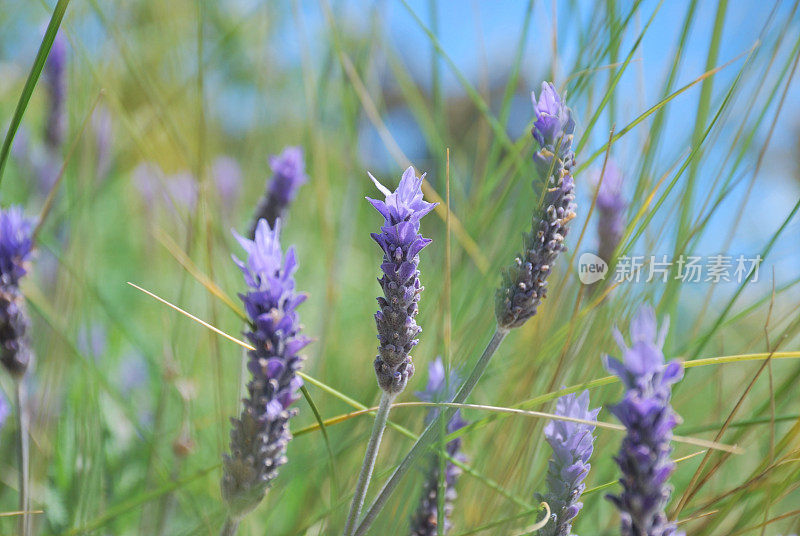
[(610, 206), (525, 282), (646, 413), (261, 433), (572, 445), (16, 246), (401, 243), (424, 522), (288, 175)]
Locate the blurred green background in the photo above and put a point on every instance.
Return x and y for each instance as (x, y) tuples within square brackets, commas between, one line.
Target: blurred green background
[(172, 110)]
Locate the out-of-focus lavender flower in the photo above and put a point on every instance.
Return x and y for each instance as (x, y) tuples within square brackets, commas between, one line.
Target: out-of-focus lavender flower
[(178, 192), (401, 243), (572, 445), (55, 79), (5, 410), (525, 282), (92, 340), (649, 419), (228, 179), (16, 245), (288, 175), (103, 127), (132, 372), (261, 433), (182, 191), (424, 522), (611, 206), (145, 179)]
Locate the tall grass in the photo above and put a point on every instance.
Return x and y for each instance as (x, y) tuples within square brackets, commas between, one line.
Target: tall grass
[(128, 438)]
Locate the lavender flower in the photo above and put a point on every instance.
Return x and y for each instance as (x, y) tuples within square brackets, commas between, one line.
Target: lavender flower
[(610, 205), (261, 433), (525, 282), (16, 244), (55, 78), (424, 522), (649, 419), (401, 243), (572, 445), (288, 175)]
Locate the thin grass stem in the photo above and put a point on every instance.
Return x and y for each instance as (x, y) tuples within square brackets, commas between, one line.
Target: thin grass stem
[(431, 431), (24, 455), (368, 466)]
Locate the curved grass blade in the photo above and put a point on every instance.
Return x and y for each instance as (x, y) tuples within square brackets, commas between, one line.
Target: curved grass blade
[(33, 77)]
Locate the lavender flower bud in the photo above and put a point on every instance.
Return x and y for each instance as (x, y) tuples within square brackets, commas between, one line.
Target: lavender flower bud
[(424, 522), (55, 78), (288, 175), (572, 445), (525, 282), (16, 245), (261, 433), (611, 206), (649, 419), (554, 123), (401, 243)]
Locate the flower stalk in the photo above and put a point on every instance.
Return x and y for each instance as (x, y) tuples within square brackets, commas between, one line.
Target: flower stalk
[(401, 243), (524, 284)]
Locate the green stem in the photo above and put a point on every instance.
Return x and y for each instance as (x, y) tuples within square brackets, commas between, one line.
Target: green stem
[(431, 432), (369, 462), (24, 450), (230, 527)]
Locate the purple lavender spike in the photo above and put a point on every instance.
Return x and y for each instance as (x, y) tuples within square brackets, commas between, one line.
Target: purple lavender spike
[(288, 175), (644, 457), (525, 282), (611, 207), (572, 445), (261, 433), (424, 522), (401, 243), (16, 245)]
